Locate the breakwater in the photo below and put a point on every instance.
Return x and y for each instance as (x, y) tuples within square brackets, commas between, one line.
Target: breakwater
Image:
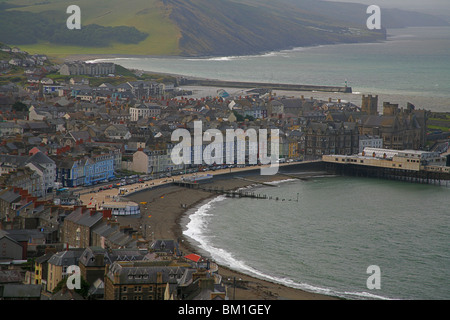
[(263, 85)]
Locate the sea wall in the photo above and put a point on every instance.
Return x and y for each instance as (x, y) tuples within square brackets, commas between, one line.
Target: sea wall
[(273, 86)]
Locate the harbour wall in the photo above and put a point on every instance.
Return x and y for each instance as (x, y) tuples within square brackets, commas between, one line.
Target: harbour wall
[(273, 86)]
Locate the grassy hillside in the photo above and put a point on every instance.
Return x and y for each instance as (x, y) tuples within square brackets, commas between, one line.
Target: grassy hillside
[(148, 16), (231, 27)]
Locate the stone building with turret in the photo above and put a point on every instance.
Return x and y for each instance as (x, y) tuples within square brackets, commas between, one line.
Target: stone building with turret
[(399, 128)]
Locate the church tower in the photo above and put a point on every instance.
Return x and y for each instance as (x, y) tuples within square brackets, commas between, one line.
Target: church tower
[(370, 104)]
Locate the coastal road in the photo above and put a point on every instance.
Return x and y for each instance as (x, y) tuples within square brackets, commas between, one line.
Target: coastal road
[(95, 197)]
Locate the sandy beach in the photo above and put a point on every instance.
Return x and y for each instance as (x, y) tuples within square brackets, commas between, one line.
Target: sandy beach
[(162, 218)]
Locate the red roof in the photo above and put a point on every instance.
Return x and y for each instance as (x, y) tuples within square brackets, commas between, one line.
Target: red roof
[(194, 257)]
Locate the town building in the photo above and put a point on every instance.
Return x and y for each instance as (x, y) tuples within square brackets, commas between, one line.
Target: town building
[(399, 128), (145, 280), (58, 266), (144, 111), (84, 68), (94, 259), (110, 235), (41, 269), (101, 166), (10, 249), (366, 141), (331, 138), (78, 226), (157, 161), (9, 128)]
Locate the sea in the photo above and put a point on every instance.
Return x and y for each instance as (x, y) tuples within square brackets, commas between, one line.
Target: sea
[(412, 65), (328, 234)]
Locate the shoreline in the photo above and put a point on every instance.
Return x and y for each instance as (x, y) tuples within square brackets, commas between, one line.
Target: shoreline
[(261, 288), (169, 221), (95, 56)]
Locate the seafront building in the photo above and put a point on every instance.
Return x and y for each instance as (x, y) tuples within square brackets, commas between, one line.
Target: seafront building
[(91, 69), (406, 165), (414, 160)]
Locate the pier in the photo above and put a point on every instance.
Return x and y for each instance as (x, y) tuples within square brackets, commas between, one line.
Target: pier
[(272, 86), (232, 193), (399, 167), (424, 177)]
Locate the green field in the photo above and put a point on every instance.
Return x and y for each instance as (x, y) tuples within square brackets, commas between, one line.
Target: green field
[(439, 121), (444, 129), (148, 16)]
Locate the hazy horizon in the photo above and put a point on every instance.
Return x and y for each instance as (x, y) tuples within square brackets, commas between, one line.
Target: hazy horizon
[(440, 7)]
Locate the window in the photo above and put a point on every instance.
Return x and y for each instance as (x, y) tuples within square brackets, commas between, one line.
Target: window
[(124, 289)]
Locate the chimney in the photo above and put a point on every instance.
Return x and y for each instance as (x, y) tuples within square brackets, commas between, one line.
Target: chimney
[(107, 213), (49, 249), (83, 207)]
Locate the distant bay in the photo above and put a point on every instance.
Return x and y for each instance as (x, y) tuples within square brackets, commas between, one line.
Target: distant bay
[(411, 66)]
